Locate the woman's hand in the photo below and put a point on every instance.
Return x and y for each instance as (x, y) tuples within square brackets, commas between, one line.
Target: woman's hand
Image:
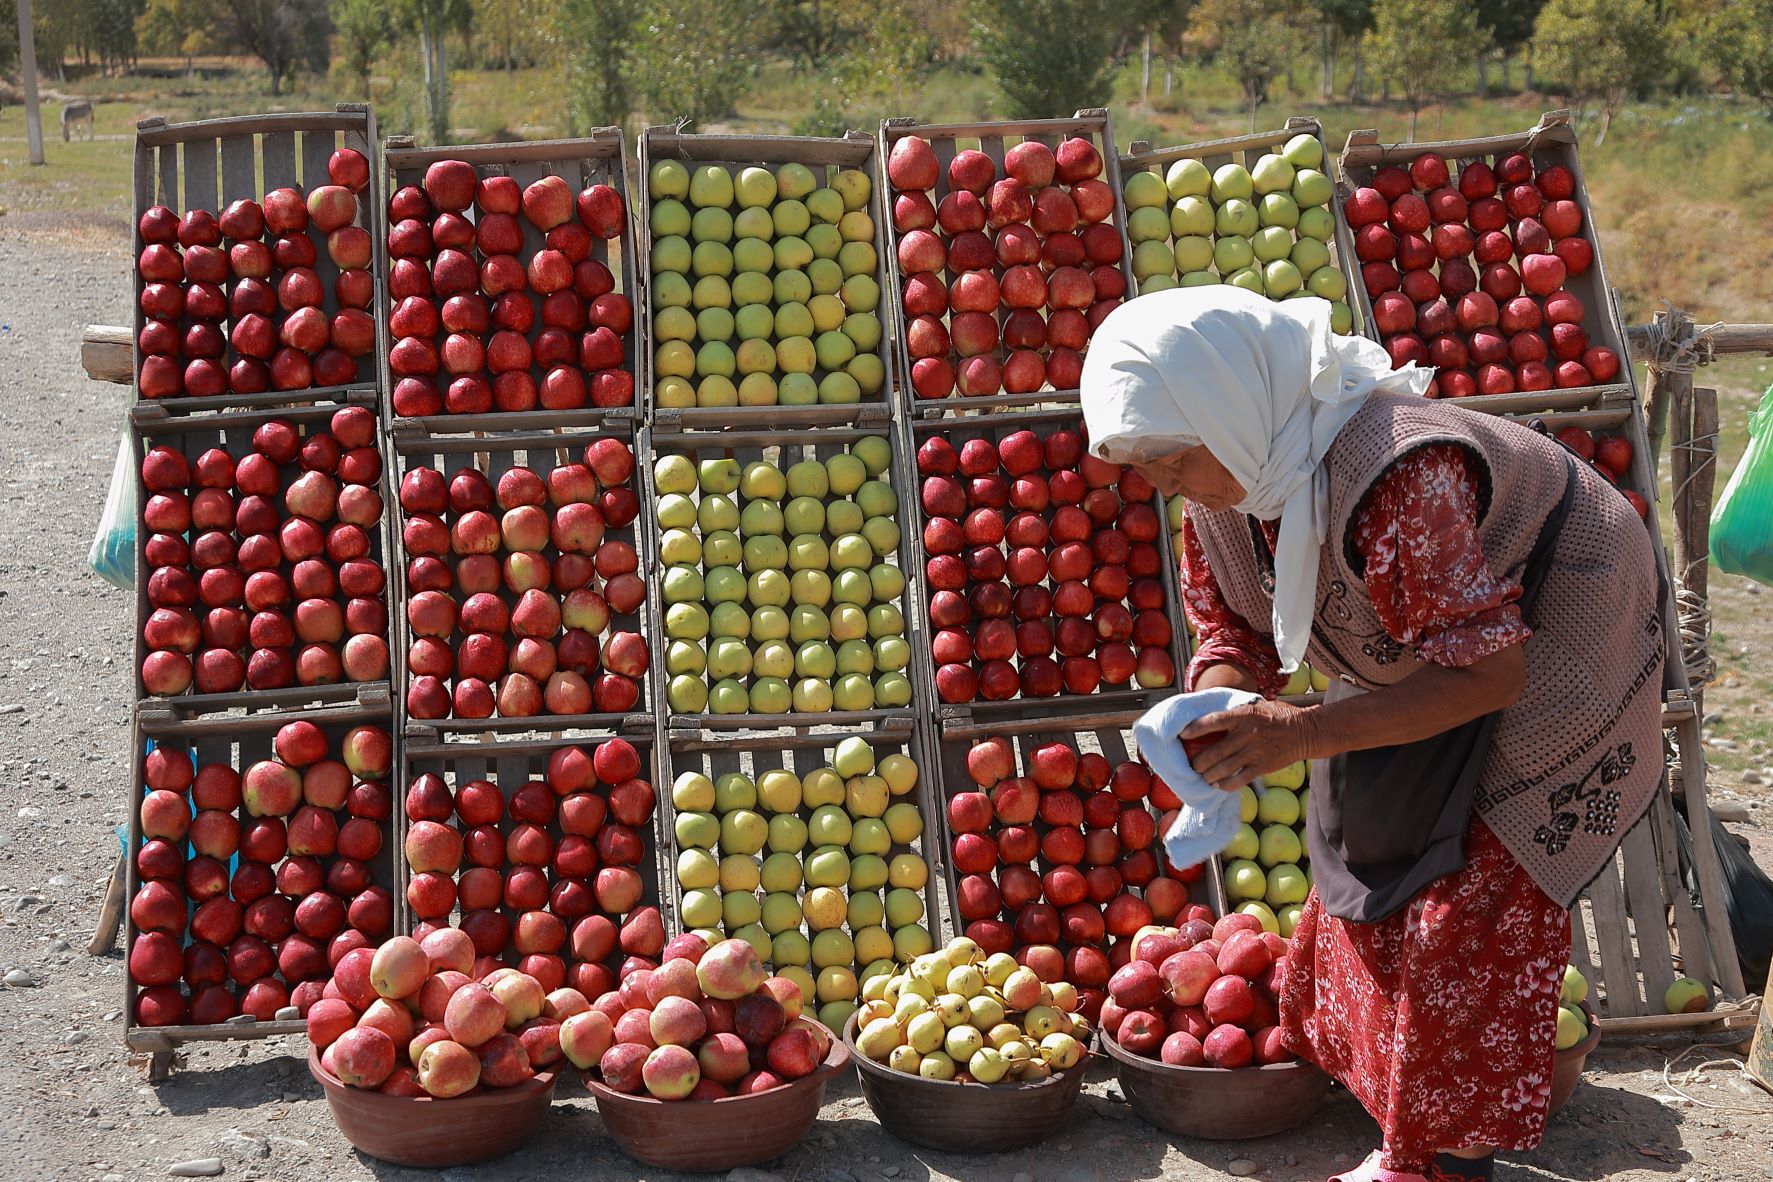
[(1252, 740)]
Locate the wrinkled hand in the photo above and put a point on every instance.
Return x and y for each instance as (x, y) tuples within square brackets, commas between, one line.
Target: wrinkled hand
[(1259, 738)]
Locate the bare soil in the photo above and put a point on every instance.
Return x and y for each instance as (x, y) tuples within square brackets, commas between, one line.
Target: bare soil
[(73, 1104)]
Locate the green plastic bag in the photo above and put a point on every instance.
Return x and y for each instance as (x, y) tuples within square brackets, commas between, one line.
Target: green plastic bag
[(1742, 520)]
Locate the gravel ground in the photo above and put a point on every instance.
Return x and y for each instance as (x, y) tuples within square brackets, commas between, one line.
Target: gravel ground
[(73, 1104)]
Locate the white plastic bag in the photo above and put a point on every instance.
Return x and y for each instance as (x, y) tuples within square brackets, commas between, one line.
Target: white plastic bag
[(113, 546)]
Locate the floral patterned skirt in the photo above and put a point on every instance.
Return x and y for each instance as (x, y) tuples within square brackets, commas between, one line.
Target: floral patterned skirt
[(1440, 1019)]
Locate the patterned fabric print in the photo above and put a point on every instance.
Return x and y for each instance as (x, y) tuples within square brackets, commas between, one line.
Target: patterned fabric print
[(1425, 568), (1441, 1020), (1222, 636)]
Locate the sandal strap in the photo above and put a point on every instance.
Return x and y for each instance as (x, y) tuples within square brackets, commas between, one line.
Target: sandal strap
[(1373, 1170)]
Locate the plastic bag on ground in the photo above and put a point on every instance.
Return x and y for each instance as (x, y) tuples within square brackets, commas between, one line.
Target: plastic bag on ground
[(113, 546), (1742, 520)]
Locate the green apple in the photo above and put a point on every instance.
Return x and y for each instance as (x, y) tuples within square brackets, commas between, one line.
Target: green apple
[(1248, 807), (1304, 151), (711, 185), (868, 873), (829, 865), (1232, 253), (833, 350), (1272, 243), (670, 290), (875, 453), (754, 223), (858, 258), (672, 255), (1236, 216), (1152, 258), (714, 324), (668, 178), (758, 389), (851, 587), (1571, 1029), (1272, 174), (1192, 279), (674, 474), (826, 243), (781, 872), (674, 324), (765, 552), (808, 478), (754, 188), (797, 355), (1686, 996), (806, 623), (740, 911), (692, 792), (1278, 210), (877, 499), (734, 790), (851, 552), (1244, 843), (794, 181), (791, 948), (1185, 178), (1148, 224), (682, 584), (883, 534), (787, 834), (721, 547), (773, 660), (790, 218), (717, 390), (752, 255), (700, 908), (1286, 885), (1261, 910), (815, 659), (1575, 988), (715, 512), (754, 935), (903, 907), (863, 330), (743, 831), (698, 869), (1144, 190), (848, 622), (1312, 189), (826, 205), (679, 547), (853, 185), (1279, 844), (810, 588), (729, 657), (728, 697), (711, 225), (730, 619), (791, 287), (675, 359), (1231, 182), (716, 358), (812, 696), (808, 552), (804, 515), (865, 910), (781, 913), (1250, 279), (853, 691), (839, 389), (1192, 217), (769, 624), (861, 293), (711, 258), (1245, 880), (1193, 253), (687, 693), (752, 287), (769, 588), (891, 655), (792, 253), (760, 517), (1328, 283), (1341, 320), (697, 830), (669, 217), (1277, 806), (1308, 254), (886, 582), (1318, 223), (1288, 918), (1281, 278), (843, 517)]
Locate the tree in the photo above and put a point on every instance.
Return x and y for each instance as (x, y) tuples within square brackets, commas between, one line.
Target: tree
[(815, 31), (1351, 21), (1255, 40), (177, 28), (596, 37), (433, 20), (514, 28), (1047, 55), (365, 34), (692, 58), (875, 73), (1413, 40), (1739, 38), (286, 35), (1600, 50), (1510, 26)]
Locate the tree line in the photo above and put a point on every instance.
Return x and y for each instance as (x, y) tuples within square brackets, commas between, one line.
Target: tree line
[(621, 59)]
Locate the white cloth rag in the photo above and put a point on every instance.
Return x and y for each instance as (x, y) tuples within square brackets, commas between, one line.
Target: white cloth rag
[(1209, 817)]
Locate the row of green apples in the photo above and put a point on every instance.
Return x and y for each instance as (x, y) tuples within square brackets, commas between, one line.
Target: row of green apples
[(818, 870), (780, 588), (1267, 228), (764, 286)]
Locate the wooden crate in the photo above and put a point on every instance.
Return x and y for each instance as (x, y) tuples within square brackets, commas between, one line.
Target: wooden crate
[(209, 163), (949, 139), (236, 743), (511, 764), (715, 754), (599, 158), (542, 451), (994, 428), (1246, 150), (1552, 141), (233, 431), (784, 448), (826, 156), (1107, 732)]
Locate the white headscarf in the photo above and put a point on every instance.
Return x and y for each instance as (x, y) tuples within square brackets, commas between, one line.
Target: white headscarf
[(1265, 386)]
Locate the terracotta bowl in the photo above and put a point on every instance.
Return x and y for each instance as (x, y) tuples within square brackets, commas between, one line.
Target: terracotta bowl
[(966, 1117), (1567, 1065), (717, 1135), (1216, 1104), (434, 1134)]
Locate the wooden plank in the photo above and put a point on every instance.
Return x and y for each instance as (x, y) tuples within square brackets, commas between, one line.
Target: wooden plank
[(168, 194), (1649, 911), (107, 353), (281, 123), (278, 149), (1613, 934), (200, 168), (240, 179), (1705, 858), (1689, 929)]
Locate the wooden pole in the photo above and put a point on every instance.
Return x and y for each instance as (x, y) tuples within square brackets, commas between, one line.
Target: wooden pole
[(1675, 328), (1692, 516), (27, 68)]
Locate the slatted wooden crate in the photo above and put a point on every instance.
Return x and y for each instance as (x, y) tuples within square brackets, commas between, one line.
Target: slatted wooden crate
[(948, 140), (210, 163), (233, 431), (1552, 141), (994, 428), (235, 743), (1106, 732), (541, 451), (510, 765), (826, 157), (1247, 150), (906, 865), (599, 158), (785, 448)]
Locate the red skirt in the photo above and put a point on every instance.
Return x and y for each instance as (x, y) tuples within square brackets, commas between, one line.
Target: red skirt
[(1441, 1019)]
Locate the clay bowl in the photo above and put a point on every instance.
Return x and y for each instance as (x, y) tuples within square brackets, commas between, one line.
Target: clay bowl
[(710, 1136), (966, 1117), (434, 1134), (1216, 1104), (1566, 1065)]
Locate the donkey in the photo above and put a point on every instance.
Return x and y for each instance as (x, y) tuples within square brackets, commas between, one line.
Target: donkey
[(77, 112)]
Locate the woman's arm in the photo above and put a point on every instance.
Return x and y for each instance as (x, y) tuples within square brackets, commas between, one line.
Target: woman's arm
[(1228, 652)]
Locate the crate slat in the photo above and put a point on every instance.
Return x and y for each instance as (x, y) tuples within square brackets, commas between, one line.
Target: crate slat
[(200, 190)]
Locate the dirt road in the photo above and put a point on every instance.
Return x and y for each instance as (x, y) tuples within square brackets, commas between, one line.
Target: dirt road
[(73, 1107)]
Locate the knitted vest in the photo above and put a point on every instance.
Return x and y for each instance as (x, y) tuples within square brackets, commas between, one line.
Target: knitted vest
[(1577, 759)]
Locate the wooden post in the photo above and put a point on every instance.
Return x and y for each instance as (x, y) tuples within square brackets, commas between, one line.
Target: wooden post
[(27, 68), (1676, 328), (1693, 456)]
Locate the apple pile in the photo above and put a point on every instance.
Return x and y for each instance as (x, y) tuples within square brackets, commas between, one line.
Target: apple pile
[(1266, 865), (410, 1019), (244, 285), (552, 871), (1608, 455), (1468, 275), (1202, 995), (1067, 853), (1005, 278), (780, 589), (763, 287), (822, 847), (1037, 548), (1572, 1022), (477, 310), (515, 588), (301, 830), (705, 1024), (1267, 228), (962, 1015), (264, 569)]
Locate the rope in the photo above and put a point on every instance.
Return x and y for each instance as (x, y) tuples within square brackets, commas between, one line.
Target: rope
[(1694, 618), (1692, 1074), (1675, 344)]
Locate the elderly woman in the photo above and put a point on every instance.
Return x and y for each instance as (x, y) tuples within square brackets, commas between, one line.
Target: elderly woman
[(1489, 612)]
